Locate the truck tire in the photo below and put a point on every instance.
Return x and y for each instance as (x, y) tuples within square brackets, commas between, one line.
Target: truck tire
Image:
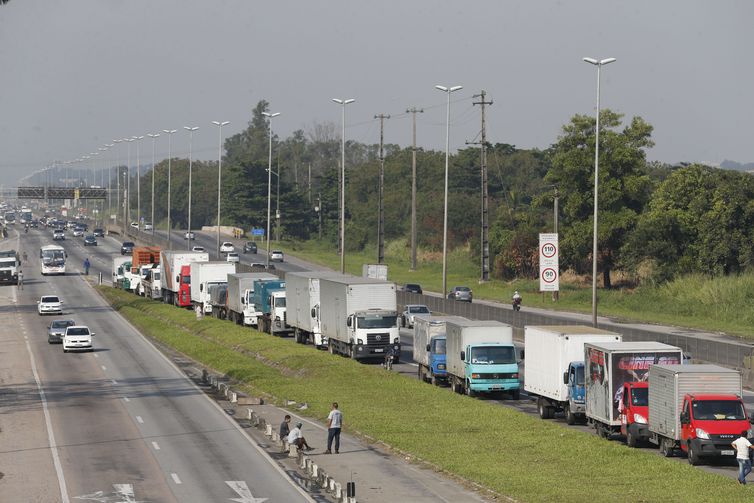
[(516, 395), (433, 379), (630, 438), (467, 389), (420, 373), (545, 411), (569, 416), (694, 458), (454, 384)]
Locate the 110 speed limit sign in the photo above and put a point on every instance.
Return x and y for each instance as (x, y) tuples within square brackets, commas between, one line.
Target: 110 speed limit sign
[(549, 271)]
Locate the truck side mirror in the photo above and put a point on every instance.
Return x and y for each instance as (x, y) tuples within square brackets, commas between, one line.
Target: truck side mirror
[(243, 300), (427, 347), (684, 418), (463, 356), (348, 322), (522, 354), (314, 313), (565, 377), (178, 279)]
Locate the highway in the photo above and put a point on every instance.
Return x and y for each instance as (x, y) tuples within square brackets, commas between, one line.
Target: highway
[(121, 423)]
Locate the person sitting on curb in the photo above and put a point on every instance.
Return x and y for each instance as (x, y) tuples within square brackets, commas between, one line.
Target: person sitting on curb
[(296, 438)]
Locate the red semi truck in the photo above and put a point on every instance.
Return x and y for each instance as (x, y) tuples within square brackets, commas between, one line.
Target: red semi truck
[(176, 275)]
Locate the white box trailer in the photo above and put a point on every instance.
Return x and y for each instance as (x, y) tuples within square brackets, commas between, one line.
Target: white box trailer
[(172, 262), (302, 294), (608, 366), (554, 357), (204, 274), (431, 358), (240, 296), (118, 272), (359, 316)]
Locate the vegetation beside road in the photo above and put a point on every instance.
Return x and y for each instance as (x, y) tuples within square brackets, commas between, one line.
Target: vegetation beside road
[(499, 448)]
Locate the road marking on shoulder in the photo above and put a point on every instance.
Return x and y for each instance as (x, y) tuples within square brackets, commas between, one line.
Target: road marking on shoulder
[(240, 487), (176, 478), (96, 355), (113, 381), (156, 446), (125, 399), (139, 419), (124, 493), (103, 367)]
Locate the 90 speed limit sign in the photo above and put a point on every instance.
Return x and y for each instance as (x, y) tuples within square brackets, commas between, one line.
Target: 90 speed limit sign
[(549, 275)]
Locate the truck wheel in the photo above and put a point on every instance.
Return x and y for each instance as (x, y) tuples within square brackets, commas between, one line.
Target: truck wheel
[(542, 409), (694, 458), (420, 372), (569, 416), (630, 438), (467, 389), (453, 385), (515, 395), (433, 379)]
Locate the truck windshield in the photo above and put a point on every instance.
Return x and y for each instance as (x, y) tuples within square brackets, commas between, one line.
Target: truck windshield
[(438, 346), (640, 397), (493, 355), (7, 262), (279, 301), (376, 321), (579, 376), (186, 280), (718, 410)]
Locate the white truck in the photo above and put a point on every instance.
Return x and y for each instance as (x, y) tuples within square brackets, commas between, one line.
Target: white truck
[(176, 283), (430, 345), (240, 296), (151, 284), (481, 358), (375, 271), (302, 293), (118, 269), (554, 357), (359, 317), (204, 274)]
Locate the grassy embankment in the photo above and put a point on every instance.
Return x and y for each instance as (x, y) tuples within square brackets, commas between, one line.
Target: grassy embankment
[(715, 304), (502, 449)]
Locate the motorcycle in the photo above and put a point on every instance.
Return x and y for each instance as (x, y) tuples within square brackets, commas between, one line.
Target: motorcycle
[(517, 304)]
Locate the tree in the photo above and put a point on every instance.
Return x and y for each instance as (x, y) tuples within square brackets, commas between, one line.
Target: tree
[(623, 189)]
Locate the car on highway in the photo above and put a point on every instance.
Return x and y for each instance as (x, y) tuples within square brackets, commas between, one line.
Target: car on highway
[(249, 247), (90, 240), (227, 247), (58, 234), (189, 235), (49, 304), (413, 288), (232, 257), (407, 317), (148, 226), (34, 224), (77, 337), (258, 265), (461, 293), (135, 225), (56, 330), (78, 232), (276, 256), (127, 248), (100, 233), (198, 249)]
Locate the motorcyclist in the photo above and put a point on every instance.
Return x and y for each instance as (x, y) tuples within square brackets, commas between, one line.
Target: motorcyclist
[(516, 301), (26, 228), (389, 355)]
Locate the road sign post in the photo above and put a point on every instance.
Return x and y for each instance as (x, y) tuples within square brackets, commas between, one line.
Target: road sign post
[(549, 269)]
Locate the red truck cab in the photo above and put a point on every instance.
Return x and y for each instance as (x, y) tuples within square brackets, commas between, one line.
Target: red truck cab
[(634, 411), (709, 423), (184, 286)]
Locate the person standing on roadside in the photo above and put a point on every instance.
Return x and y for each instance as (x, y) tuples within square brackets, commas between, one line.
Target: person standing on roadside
[(20, 280), (285, 428), (87, 265), (334, 424), (742, 446)]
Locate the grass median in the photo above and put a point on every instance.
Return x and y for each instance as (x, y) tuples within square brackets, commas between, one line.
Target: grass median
[(507, 451)]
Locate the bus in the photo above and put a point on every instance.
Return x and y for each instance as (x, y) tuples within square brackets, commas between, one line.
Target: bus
[(52, 258), (10, 217)]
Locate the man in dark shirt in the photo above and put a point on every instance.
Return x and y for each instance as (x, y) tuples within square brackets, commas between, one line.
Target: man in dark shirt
[(285, 428)]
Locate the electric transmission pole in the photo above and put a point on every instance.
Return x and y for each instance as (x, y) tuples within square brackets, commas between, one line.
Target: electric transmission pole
[(413, 112), (381, 204), (485, 206)]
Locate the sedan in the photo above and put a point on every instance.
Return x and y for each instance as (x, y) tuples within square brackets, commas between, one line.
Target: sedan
[(78, 232), (232, 257), (189, 235), (100, 233), (127, 248), (49, 304), (413, 288), (56, 330), (77, 337), (148, 226), (198, 249), (90, 240), (227, 247), (134, 225), (461, 293), (58, 234), (249, 247), (276, 256), (407, 318)]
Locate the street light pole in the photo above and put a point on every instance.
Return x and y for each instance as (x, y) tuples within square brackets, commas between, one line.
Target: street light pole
[(446, 90), (117, 181), (269, 116), (343, 103), (599, 64), (127, 223), (138, 184), (169, 132), (154, 137), (219, 175), (191, 139), (109, 184)]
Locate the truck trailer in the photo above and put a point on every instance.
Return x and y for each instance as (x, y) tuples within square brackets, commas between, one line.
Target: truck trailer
[(430, 345), (481, 357), (241, 296), (205, 274), (302, 295), (554, 357), (176, 275), (359, 317)]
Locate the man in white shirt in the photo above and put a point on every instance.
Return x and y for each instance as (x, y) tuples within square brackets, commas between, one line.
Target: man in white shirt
[(296, 438), (334, 424), (742, 446)]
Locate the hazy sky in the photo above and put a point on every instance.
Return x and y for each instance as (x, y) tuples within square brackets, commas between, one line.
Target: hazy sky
[(77, 74)]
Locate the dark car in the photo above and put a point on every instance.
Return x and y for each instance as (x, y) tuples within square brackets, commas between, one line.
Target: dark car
[(90, 240), (413, 288), (100, 233), (127, 248), (461, 293), (56, 330), (34, 224), (249, 247)]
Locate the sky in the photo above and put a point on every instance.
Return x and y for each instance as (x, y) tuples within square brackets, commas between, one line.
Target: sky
[(80, 73)]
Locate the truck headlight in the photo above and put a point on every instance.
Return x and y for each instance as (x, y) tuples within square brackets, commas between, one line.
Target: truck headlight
[(359, 341), (700, 433), (475, 376), (397, 340), (638, 418), (440, 366)]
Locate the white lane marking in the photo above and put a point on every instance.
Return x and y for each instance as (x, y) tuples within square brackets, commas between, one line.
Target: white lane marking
[(240, 487), (156, 446), (26, 338), (176, 478), (124, 493), (125, 399), (96, 355), (139, 419), (103, 367), (113, 381)]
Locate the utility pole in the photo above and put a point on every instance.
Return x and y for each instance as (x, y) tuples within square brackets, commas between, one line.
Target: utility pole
[(556, 198), (381, 204), (485, 202), (413, 111)]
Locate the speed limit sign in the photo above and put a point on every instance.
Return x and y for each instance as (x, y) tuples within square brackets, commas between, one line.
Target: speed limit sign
[(549, 271)]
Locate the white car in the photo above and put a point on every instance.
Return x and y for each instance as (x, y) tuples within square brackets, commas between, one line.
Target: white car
[(232, 257), (148, 226), (189, 235), (276, 256), (77, 337), (134, 225), (78, 232), (227, 247), (407, 317), (49, 304), (198, 249)]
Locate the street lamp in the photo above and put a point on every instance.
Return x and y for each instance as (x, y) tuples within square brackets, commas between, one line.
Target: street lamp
[(117, 180), (343, 103), (109, 183), (446, 90), (138, 184), (169, 132), (191, 138), (599, 64), (154, 140), (269, 116), (219, 175), (127, 224)]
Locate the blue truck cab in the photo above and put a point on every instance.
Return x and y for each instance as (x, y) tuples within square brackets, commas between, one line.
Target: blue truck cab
[(270, 305), (437, 357), (574, 378)]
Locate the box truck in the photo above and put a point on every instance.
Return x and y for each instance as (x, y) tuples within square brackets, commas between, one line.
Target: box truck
[(430, 346), (554, 357), (481, 357), (176, 275), (218, 299), (608, 367), (205, 274), (302, 294), (119, 266), (359, 317), (697, 408), (270, 305), (240, 308)]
